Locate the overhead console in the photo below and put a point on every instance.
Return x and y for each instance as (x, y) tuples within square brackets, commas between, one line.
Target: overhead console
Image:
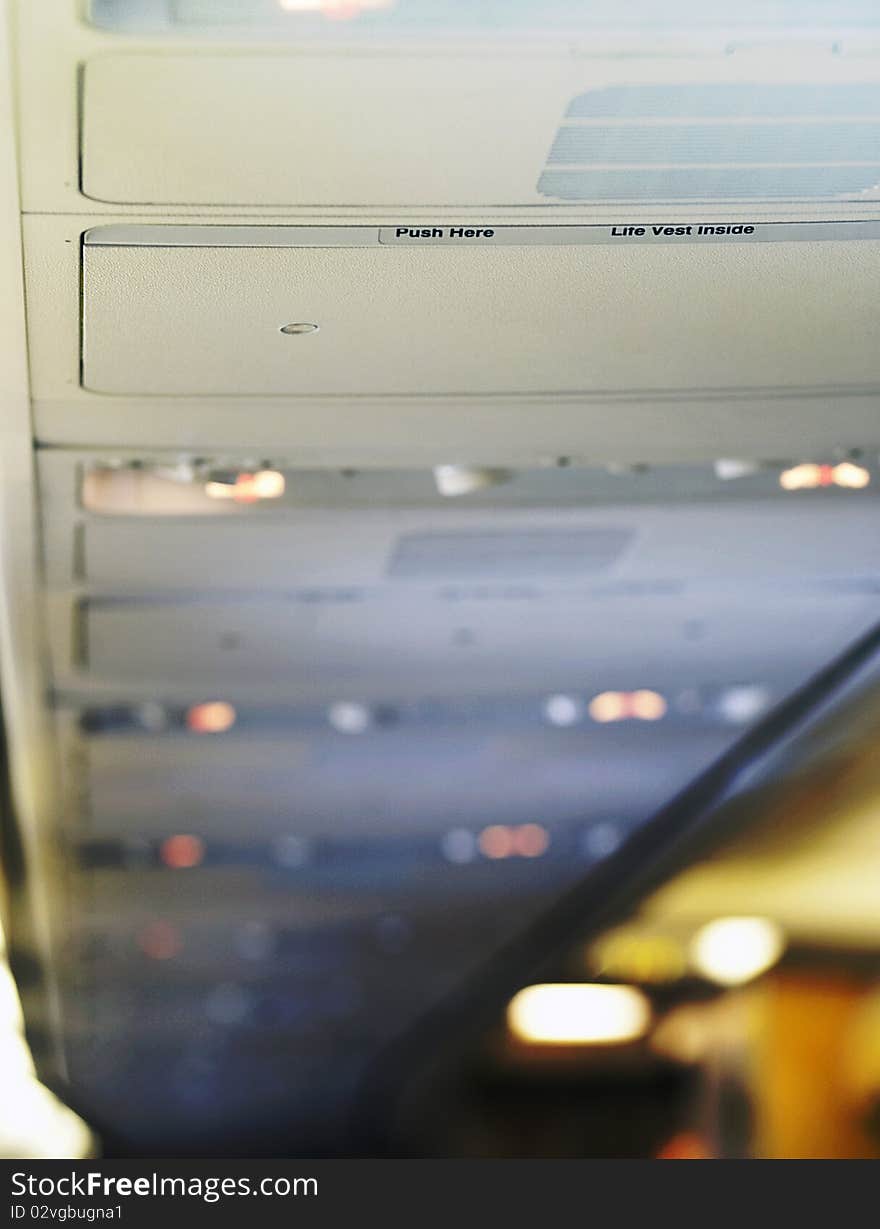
[(427, 103), (478, 129), (434, 409), (433, 232), (204, 311)]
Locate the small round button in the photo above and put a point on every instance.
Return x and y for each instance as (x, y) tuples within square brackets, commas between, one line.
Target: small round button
[(295, 330)]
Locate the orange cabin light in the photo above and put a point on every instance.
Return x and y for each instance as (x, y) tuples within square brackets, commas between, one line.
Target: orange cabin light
[(213, 717), (160, 941), (530, 840), (810, 476), (249, 488), (513, 841), (642, 705), (496, 841), (182, 852)]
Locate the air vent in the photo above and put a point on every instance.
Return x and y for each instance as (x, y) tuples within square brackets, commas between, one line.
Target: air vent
[(717, 142), (537, 553), (729, 101)]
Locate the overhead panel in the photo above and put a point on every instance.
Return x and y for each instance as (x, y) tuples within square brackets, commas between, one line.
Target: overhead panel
[(523, 127), (345, 585), (490, 645), (319, 130), (474, 315), (307, 548)]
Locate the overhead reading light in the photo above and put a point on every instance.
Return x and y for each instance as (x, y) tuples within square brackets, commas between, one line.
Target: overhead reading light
[(735, 950), (349, 717), (246, 488), (182, 852), (573, 1014), (563, 710), (744, 703), (454, 480), (130, 488), (809, 476), (729, 468), (513, 841), (160, 940), (641, 705), (213, 717)]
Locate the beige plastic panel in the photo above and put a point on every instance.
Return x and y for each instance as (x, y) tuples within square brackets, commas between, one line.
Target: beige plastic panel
[(359, 548), (139, 784), (320, 129), (206, 321), (522, 430), (356, 646)]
